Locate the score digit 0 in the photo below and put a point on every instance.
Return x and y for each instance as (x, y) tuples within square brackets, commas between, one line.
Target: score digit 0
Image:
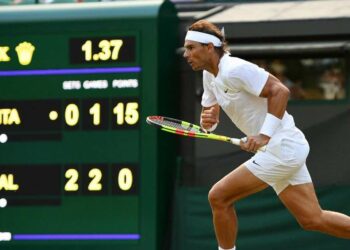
[(125, 179), (71, 114)]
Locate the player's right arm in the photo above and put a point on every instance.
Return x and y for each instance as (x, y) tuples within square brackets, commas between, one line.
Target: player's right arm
[(210, 108), (210, 117)]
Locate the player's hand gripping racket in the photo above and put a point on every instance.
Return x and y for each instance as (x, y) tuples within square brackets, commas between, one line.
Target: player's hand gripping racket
[(183, 128)]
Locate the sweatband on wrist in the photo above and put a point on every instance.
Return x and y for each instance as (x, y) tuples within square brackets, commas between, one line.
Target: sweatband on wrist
[(202, 37), (234, 248), (270, 125)]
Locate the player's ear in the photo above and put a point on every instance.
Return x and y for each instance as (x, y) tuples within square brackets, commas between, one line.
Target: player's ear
[(210, 47)]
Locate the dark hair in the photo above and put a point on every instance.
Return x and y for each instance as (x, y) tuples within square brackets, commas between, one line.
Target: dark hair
[(209, 28)]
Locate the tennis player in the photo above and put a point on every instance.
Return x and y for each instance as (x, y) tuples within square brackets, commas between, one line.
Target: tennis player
[(256, 103)]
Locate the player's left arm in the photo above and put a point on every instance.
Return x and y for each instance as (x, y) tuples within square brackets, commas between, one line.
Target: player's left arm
[(277, 95)]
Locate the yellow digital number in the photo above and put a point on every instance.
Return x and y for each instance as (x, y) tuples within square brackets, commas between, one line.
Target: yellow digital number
[(127, 113), (131, 113), (117, 44), (119, 111), (105, 53), (125, 179), (95, 111), (96, 175), (71, 114), (72, 175), (109, 49), (87, 48)]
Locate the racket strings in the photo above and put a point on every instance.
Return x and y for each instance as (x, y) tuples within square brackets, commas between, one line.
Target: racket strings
[(180, 126)]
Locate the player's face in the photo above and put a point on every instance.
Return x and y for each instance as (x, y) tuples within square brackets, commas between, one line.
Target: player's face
[(196, 54)]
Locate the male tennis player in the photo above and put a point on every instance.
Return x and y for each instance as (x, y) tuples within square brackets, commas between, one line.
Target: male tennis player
[(256, 103)]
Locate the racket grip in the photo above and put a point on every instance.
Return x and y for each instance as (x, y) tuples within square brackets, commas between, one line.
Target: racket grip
[(235, 141)]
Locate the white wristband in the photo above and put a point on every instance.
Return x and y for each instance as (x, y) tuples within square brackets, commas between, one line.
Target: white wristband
[(270, 125)]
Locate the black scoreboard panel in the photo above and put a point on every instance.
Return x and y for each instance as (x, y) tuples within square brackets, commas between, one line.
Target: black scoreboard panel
[(78, 164)]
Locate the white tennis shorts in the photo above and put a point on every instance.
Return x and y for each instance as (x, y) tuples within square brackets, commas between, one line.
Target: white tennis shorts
[(283, 162)]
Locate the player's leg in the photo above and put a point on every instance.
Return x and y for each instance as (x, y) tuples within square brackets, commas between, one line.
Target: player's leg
[(302, 202), (234, 186)]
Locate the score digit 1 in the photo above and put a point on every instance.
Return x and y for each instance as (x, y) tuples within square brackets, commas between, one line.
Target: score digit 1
[(95, 111)]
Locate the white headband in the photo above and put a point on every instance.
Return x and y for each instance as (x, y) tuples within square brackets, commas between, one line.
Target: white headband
[(203, 38)]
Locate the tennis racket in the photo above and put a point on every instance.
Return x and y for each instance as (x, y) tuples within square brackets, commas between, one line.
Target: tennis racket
[(183, 128)]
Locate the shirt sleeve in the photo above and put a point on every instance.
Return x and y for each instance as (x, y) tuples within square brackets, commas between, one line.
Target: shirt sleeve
[(251, 77), (208, 97)]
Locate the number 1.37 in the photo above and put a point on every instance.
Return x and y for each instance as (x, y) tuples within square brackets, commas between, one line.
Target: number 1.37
[(107, 50)]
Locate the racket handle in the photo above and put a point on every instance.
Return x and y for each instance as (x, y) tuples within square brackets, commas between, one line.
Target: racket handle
[(235, 141), (244, 139)]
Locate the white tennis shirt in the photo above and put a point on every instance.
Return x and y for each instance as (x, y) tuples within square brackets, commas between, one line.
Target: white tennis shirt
[(236, 89)]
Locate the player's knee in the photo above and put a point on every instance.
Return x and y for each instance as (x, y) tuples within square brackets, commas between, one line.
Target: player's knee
[(216, 198)]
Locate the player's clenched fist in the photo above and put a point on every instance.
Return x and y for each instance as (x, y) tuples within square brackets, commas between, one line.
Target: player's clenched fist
[(210, 117)]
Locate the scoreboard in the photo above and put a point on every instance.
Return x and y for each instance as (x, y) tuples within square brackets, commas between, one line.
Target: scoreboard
[(79, 168)]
